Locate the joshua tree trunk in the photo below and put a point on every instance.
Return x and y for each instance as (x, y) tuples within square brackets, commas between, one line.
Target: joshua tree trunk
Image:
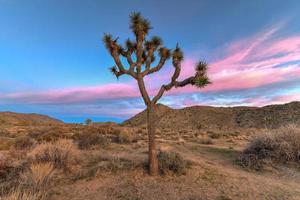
[(151, 122)]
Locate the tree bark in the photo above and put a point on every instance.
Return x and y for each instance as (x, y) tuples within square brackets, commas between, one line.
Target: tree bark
[(151, 120)]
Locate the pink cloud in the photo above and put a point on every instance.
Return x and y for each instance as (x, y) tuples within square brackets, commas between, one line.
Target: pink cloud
[(74, 95), (248, 63)]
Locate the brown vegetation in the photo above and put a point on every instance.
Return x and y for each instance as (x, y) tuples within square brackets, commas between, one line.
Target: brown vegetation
[(281, 145)]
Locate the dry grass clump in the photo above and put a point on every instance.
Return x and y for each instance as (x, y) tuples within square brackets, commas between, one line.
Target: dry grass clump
[(204, 140), (107, 164), (282, 145), (172, 163), (6, 143), (19, 194), (86, 141), (23, 142), (124, 136), (4, 132), (38, 177), (63, 154), (48, 134), (10, 170)]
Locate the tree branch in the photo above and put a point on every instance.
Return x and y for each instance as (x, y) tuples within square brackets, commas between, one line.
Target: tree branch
[(143, 90)]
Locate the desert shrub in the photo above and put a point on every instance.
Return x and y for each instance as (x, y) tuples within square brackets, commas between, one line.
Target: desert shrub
[(108, 163), (38, 177), (48, 134), (172, 162), (62, 154), (4, 132), (6, 143), (204, 140), (23, 142), (125, 136), (282, 145), (86, 141), (19, 194), (10, 170)]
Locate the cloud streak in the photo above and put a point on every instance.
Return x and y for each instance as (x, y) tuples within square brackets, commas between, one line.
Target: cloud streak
[(249, 63)]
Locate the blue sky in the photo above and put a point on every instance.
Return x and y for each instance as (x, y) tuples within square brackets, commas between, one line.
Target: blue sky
[(53, 62)]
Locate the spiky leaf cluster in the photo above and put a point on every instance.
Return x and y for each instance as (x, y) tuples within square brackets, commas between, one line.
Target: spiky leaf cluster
[(130, 45), (138, 24), (114, 70), (154, 43), (177, 54), (107, 40), (201, 81), (164, 52), (201, 66)]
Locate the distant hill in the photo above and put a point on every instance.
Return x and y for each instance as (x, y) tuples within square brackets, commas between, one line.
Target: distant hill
[(223, 118), (11, 118)]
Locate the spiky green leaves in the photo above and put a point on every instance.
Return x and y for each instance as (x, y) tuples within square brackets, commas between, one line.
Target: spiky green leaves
[(201, 79), (138, 24), (177, 55)]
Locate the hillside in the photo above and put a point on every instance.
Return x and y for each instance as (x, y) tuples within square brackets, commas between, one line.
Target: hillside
[(11, 118), (223, 118)]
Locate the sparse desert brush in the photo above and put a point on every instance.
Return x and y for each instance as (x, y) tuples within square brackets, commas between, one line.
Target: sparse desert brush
[(282, 145), (23, 142), (38, 177), (19, 194), (10, 170), (4, 132), (48, 134), (63, 154), (6, 143), (125, 136), (86, 141), (204, 139), (172, 163)]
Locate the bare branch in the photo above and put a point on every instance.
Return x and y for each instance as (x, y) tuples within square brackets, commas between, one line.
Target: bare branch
[(164, 56)]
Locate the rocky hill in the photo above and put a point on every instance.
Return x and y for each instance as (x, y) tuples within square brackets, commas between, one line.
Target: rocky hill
[(11, 118), (222, 118)]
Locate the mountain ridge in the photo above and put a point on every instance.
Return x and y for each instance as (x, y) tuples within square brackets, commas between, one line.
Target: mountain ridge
[(223, 118)]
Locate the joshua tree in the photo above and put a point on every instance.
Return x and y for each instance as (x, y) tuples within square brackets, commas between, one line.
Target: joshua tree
[(88, 121), (141, 54)]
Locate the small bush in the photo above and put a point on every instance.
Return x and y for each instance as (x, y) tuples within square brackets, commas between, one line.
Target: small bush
[(23, 142), (86, 141), (4, 132), (172, 162), (10, 170), (281, 145), (125, 136), (62, 154), (38, 177), (204, 140), (48, 134), (6, 143)]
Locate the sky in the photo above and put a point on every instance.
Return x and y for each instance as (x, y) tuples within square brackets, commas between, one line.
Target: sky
[(53, 62)]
